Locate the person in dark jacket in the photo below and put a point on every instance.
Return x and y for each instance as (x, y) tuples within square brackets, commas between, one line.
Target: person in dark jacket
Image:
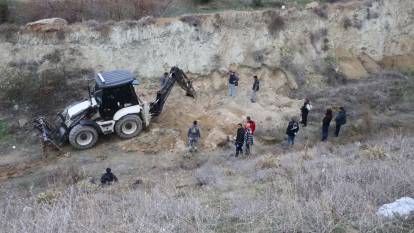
[(255, 88), (340, 120), (292, 130), (163, 79), (193, 136), (239, 140), (233, 83), (305, 111), (108, 178), (325, 124)]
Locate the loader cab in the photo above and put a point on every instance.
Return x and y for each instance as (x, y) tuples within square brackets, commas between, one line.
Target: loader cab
[(114, 90)]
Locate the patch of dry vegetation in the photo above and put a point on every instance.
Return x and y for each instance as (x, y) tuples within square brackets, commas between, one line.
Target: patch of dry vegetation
[(337, 190)]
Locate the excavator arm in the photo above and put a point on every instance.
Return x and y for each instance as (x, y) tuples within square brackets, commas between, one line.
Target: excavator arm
[(178, 76)]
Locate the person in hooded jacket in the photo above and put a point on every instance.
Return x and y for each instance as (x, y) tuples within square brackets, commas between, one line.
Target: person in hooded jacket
[(108, 178), (239, 140), (305, 111), (291, 131), (250, 124), (340, 120), (325, 124)]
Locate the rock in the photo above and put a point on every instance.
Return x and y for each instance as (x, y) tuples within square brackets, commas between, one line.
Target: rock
[(22, 122), (215, 138), (402, 207), (312, 5), (47, 25), (369, 64), (349, 65)]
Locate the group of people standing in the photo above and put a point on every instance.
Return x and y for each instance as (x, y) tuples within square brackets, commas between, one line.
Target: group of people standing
[(293, 126), (234, 83), (245, 133)]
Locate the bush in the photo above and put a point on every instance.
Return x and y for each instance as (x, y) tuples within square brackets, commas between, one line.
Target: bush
[(202, 1), (321, 11), (4, 130), (192, 20), (257, 3), (8, 31), (4, 11), (275, 22), (81, 10)]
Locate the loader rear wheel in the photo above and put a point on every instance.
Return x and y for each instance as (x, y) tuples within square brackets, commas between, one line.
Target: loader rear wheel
[(83, 137), (128, 126)]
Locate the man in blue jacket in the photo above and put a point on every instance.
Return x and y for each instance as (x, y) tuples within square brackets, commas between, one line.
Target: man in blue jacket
[(233, 83)]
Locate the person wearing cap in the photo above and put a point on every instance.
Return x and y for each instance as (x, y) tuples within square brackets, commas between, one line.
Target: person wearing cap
[(108, 178), (193, 136), (255, 88), (292, 130), (239, 139), (233, 83), (340, 120)]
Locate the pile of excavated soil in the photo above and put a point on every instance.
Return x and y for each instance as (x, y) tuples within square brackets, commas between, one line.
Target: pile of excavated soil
[(217, 114)]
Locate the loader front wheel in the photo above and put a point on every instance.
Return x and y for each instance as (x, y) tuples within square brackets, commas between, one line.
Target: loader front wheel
[(83, 137), (128, 126)]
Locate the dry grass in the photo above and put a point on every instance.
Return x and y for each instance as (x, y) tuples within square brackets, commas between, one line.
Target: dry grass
[(337, 190)]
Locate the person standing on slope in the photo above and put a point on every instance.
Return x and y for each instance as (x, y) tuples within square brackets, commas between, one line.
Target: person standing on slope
[(248, 140), (193, 136), (340, 120), (239, 140), (255, 88), (233, 83), (305, 111), (250, 124), (325, 124), (291, 131)]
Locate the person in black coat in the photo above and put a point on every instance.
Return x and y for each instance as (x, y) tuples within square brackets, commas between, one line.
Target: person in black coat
[(305, 111), (239, 140), (340, 120), (292, 130), (255, 88), (108, 178), (325, 124)]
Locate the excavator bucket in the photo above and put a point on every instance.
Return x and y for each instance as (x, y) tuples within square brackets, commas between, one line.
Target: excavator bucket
[(176, 76), (46, 132), (184, 82)]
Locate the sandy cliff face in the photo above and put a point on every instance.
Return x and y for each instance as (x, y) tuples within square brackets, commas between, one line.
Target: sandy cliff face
[(202, 44), (285, 48)]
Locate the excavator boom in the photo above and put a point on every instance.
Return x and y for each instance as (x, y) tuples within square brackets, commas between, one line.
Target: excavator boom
[(178, 76)]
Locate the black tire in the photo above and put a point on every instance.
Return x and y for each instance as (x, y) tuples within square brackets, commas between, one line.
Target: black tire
[(83, 137), (128, 126)]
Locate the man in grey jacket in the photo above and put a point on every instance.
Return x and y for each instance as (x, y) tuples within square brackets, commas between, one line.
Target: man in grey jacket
[(193, 136)]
